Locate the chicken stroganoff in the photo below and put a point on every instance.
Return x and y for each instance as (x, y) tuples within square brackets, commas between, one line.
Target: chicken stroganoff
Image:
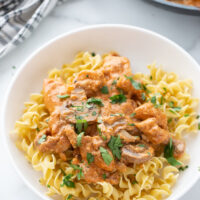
[(101, 124)]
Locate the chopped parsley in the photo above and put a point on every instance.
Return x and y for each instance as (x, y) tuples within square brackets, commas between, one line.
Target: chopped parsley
[(134, 182), (150, 77), (153, 100), (67, 182), (63, 96), (77, 167), (69, 197), (169, 120), (119, 98), (161, 100), (104, 90), (106, 156), (117, 114), (99, 130), (81, 124), (132, 115), (79, 138), (114, 82), (143, 96), (93, 54), (87, 76), (186, 115), (48, 186), (115, 144), (197, 116), (175, 109), (141, 145), (94, 101), (132, 124), (42, 139), (168, 154), (78, 108), (104, 137), (94, 113), (199, 126), (165, 90), (182, 168), (135, 84), (104, 176), (90, 158), (37, 129)]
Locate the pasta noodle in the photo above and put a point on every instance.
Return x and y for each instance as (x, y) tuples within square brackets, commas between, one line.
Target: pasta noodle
[(149, 181)]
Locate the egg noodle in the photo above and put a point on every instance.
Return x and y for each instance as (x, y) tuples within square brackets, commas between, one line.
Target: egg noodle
[(154, 178)]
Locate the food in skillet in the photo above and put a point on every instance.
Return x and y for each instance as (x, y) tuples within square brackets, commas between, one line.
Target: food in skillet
[(188, 2), (100, 132)]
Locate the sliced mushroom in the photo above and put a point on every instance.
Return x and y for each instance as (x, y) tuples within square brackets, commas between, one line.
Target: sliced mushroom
[(128, 138), (137, 154)]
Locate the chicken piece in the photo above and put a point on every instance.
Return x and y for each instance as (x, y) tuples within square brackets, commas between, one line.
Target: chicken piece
[(51, 144), (92, 145), (93, 174), (51, 89), (147, 110), (127, 87), (90, 81), (128, 138), (115, 66), (153, 132), (179, 148), (137, 154), (71, 135)]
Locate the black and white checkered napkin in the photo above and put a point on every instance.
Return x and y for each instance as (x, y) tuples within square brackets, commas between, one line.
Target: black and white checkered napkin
[(18, 18)]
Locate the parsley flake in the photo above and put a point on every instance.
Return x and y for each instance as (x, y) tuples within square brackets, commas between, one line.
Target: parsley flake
[(104, 90), (69, 197), (153, 100), (93, 54), (168, 154), (114, 82), (77, 167), (119, 98), (63, 96), (90, 158), (81, 124), (182, 168), (135, 84), (94, 101), (79, 138), (132, 115), (67, 182), (42, 139), (106, 156), (115, 144), (104, 176), (143, 96), (94, 113)]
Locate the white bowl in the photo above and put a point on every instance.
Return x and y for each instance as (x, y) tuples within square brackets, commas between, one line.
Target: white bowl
[(141, 46)]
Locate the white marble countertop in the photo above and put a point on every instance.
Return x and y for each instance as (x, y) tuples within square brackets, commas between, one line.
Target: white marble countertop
[(181, 28)]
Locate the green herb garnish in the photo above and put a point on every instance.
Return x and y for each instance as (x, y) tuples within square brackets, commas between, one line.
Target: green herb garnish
[(77, 167), (63, 96), (119, 98), (104, 90), (37, 129), (141, 145), (94, 101), (117, 114), (115, 144), (81, 124), (199, 126), (67, 182), (168, 154), (114, 82), (106, 156), (182, 168), (169, 120), (135, 84), (48, 186), (90, 158), (132, 124), (143, 96), (104, 176), (153, 100), (132, 115), (69, 197), (93, 54), (94, 113), (42, 139), (79, 138), (150, 77), (134, 182), (186, 115)]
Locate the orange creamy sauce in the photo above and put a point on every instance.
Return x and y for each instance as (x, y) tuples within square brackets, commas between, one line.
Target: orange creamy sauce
[(102, 118)]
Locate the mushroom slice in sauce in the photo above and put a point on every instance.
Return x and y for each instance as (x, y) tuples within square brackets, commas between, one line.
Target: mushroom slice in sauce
[(137, 154)]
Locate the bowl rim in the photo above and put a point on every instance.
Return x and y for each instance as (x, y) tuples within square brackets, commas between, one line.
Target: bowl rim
[(53, 40)]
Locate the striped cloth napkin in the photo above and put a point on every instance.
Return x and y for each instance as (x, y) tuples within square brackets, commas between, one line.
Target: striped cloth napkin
[(18, 18)]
